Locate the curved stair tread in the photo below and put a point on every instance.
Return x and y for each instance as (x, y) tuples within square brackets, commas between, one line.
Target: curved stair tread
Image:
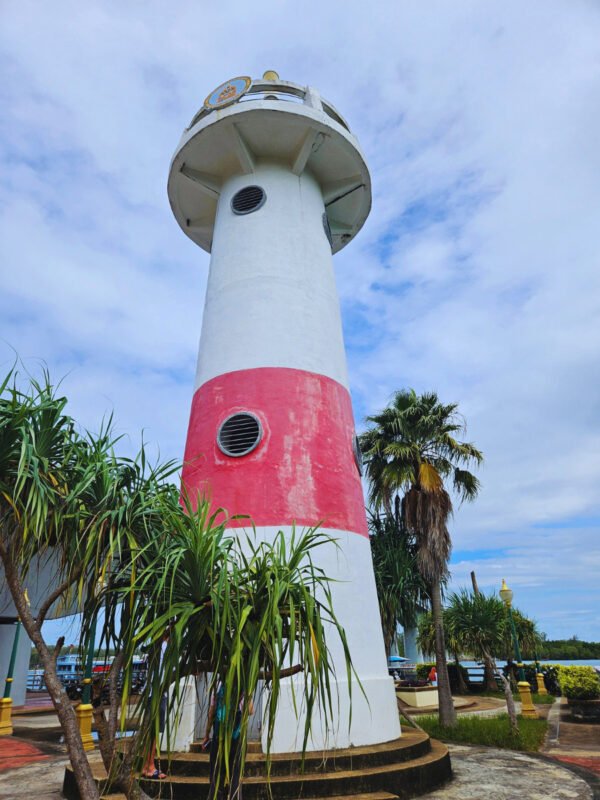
[(364, 796), (409, 738), (438, 752)]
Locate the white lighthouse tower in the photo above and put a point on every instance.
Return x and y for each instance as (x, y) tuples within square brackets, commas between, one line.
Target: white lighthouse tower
[(269, 179)]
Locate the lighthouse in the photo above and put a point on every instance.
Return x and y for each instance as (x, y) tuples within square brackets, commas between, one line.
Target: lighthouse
[(269, 179)]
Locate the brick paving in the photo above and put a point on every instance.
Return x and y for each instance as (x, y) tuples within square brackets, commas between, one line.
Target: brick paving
[(17, 753), (571, 742), (587, 762)]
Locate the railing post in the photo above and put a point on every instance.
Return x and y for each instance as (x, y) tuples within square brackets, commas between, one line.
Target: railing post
[(312, 98)]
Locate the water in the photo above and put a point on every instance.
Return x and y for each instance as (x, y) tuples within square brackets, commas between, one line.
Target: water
[(476, 668), (584, 662)]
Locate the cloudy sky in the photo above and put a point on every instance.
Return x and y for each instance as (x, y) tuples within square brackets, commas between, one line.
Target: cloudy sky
[(476, 274)]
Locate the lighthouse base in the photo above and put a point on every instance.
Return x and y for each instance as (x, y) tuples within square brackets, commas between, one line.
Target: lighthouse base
[(369, 720), (403, 768), (367, 714)]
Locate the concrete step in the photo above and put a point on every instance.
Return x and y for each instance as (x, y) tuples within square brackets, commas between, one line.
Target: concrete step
[(410, 745), (401, 779), (367, 796)]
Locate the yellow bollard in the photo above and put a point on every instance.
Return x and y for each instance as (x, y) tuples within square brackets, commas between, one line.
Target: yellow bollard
[(528, 710), (84, 720), (6, 727), (541, 685)]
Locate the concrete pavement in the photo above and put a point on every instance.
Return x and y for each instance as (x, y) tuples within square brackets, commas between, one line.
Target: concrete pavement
[(32, 764)]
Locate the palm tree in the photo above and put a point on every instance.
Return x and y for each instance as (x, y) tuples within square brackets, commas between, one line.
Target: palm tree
[(401, 591), (411, 448), (426, 644), (477, 622)]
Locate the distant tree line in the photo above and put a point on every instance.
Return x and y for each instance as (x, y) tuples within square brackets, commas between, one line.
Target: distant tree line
[(569, 649)]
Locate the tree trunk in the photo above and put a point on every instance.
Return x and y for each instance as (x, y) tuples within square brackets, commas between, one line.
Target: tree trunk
[(447, 713), (117, 763), (64, 709), (474, 582), (510, 705), (489, 674), (510, 702), (462, 686), (489, 666)]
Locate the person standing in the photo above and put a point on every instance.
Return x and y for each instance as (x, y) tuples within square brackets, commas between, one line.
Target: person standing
[(150, 770), (433, 676)]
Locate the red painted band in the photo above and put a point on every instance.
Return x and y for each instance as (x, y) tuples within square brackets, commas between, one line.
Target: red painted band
[(302, 471)]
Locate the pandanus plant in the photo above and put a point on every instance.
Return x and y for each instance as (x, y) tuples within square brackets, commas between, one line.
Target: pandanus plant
[(116, 538), (243, 611)]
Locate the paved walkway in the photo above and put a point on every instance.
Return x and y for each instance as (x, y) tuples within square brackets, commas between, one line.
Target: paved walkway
[(484, 772), (572, 742), (36, 781), (16, 753), (32, 764)]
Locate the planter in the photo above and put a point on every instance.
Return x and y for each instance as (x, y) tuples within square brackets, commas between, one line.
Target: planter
[(585, 711), (419, 696)]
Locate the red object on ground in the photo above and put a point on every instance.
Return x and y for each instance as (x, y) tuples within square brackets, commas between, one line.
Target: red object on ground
[(593, 764), (303, 470), (15, 753)]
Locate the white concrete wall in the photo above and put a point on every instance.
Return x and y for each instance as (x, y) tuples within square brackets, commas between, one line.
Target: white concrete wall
[(183, 728), (374, 719), (271, 299), (7, 635), (41, 578)]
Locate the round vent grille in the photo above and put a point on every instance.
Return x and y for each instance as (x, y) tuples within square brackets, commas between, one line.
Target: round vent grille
[(248, 199), (239, 434)]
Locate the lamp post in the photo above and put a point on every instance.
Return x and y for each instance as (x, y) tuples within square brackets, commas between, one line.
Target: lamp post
[(6, 728), (527, 707)]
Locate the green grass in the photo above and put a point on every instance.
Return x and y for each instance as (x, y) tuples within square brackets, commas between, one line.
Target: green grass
[(538, 699), (489, 731)]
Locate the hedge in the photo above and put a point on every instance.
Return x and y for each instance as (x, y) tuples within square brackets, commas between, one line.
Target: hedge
[(579, 683)]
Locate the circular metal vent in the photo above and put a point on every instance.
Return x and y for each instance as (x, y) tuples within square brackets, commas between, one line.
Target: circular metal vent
[(327, 228), (358, 455), (239, 434), (248, 199)]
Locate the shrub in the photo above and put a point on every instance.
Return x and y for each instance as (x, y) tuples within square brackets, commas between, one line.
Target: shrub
[(550, 673), (579, 683), (424, 669)]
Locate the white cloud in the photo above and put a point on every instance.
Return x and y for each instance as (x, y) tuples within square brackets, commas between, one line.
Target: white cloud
[(476, 273)]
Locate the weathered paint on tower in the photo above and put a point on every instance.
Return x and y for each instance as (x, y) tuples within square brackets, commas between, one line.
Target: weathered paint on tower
[(269, 179)]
